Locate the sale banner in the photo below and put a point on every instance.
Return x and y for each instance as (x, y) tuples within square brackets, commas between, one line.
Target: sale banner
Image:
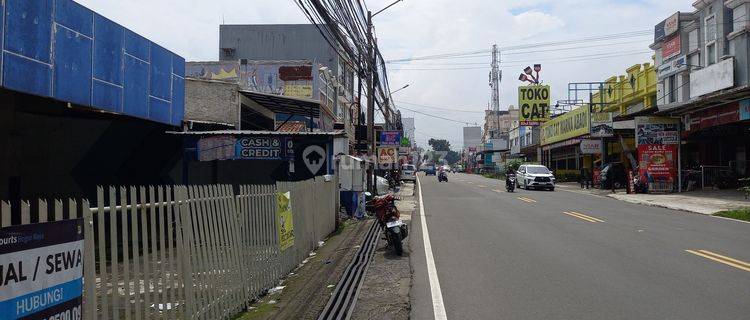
[(658, 166)]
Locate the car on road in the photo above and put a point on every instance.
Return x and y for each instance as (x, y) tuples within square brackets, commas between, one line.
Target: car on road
[(534, 176), (409, 173), (430, 170)]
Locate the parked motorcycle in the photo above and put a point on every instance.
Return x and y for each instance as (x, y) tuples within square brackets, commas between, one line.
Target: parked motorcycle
[(442, 177), (510, 182), (389, 219)]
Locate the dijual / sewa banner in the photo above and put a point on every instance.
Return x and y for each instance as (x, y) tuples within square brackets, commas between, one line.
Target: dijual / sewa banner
[(41, 270)]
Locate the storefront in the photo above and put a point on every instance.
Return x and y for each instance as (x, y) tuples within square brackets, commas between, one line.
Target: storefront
[(715, 142), (560, 143)]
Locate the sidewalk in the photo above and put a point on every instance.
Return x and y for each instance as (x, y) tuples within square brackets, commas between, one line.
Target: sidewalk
[(384, 293), (703, 202)]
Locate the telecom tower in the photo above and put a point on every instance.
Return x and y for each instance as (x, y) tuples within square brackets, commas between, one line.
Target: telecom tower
[(495, 77)]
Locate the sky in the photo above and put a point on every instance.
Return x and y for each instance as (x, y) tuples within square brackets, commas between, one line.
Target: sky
[(414, 28)]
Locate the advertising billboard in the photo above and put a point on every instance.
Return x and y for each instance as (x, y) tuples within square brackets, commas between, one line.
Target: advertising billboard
[(534, 105), (389, 138), (42, 270), (745, 109), (657, 139), (672, 24), (591, 146), (602, 124), (290, 79), (387, 155), (672, 47)]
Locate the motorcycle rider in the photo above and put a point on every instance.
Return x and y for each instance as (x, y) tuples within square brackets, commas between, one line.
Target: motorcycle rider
[(508, 173)]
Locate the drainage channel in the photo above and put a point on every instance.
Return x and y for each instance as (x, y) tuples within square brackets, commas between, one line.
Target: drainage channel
[(342, 301)]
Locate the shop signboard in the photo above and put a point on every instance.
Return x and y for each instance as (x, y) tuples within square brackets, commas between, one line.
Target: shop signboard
[(387, 155), (602, 124), (745, 109), (569, 125), (591, 146), (42, 270), (672, 24), (657, 130), (671, 67), (671, 47), (657, 139), (390, 138), (259, 148), (534, 105), (284, 220), (659, 31)]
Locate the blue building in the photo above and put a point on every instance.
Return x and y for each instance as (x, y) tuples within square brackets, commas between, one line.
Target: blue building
[(83, 102)]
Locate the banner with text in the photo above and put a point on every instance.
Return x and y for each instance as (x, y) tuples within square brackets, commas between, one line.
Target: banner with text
[(657, 139), (41, 270), (534, 104), (602, 124), (284, 220)]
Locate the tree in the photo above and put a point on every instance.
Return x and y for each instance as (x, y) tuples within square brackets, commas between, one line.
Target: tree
[(439, 144), (452, 157)]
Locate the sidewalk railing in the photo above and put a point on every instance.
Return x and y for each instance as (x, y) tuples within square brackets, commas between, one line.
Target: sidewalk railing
[(187, 252), (715, 176)]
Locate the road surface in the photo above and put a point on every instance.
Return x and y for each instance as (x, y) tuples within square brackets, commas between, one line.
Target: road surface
[(568, 255)]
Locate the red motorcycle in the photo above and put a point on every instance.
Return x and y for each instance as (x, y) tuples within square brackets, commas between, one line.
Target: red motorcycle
[(389, 219)]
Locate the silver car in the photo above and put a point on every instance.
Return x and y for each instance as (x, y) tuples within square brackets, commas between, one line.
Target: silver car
[(534, 176), (408, 173)]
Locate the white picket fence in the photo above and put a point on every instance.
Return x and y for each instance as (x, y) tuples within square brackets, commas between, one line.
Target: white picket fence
[(187, 252)]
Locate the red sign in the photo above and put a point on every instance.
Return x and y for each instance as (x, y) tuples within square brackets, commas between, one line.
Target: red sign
[(658, 165), (671, 47)]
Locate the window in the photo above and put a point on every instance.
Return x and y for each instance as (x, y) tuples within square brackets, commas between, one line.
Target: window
[(739, 18), (672, 89), (711, 53), (693, 40), (710, 28)]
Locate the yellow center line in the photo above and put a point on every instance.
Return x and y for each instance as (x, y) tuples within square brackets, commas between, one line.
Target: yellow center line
[(469, 182), (722, 259), (481, 186), (579, 217), (529, 200), (498, 191), (587, 216)]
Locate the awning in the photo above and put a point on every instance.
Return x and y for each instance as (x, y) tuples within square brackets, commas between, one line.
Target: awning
[(710, 100), (284, 104)]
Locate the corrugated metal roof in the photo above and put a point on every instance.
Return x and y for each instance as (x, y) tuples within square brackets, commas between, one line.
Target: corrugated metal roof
[(284, 104), (293, 126)]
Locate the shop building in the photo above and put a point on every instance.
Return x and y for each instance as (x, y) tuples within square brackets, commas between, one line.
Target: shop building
[(707, 88)]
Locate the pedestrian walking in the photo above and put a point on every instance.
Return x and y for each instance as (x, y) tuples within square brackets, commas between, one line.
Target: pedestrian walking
[(584, 178)]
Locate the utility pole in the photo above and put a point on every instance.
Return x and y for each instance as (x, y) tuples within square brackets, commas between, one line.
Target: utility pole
[(370, 63)]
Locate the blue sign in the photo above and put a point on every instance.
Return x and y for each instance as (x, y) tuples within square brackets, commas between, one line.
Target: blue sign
[(42, 270), (745, 109), (488, 154), (390, 138), (62, 50), (659, 32)]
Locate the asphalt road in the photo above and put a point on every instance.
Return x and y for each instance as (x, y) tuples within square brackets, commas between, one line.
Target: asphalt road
[(519, 255)]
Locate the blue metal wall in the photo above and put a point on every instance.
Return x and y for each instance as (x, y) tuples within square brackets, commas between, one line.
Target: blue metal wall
[(61, 49)]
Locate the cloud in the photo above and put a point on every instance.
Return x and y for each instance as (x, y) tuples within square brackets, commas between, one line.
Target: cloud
[(427, 27)]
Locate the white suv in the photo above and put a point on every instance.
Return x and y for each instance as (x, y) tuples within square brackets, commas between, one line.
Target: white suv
[(534, 176), (408, 172)]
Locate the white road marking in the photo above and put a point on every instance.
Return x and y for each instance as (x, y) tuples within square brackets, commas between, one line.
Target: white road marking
[(438, 307)]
